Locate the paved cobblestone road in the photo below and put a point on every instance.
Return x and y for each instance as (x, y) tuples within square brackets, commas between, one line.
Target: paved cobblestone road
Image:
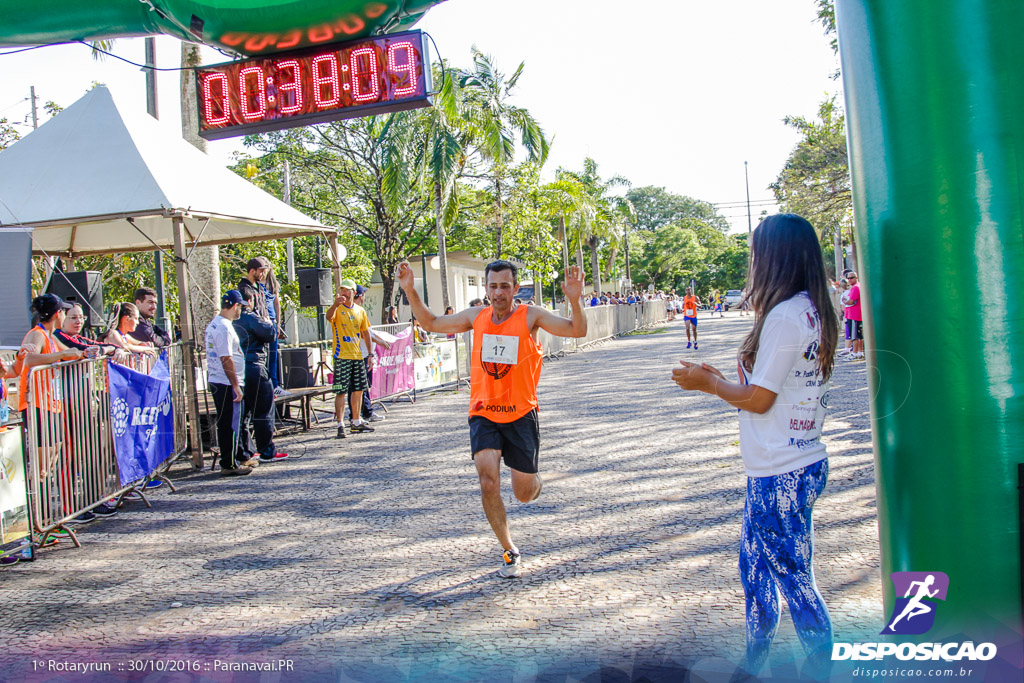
[(370, 559)]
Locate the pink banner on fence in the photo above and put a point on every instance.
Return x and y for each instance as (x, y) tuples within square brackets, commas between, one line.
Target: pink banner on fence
[(393, 370)]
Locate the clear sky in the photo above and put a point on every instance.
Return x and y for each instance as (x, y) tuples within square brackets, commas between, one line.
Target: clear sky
[(677, 94)]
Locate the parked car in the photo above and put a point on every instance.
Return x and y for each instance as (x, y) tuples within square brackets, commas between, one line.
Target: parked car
[(733, 298)]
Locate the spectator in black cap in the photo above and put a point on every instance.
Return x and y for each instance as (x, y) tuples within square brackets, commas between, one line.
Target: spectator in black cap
[(255, 275), (225, 366), (147, 330), (254, 336)]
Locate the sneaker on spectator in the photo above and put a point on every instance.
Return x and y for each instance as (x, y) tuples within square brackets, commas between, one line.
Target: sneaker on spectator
[(512, 565), (281, 391), (83, 518), (276, 457), (133, 495), (361, 427), (104, 510), (152, 484), (375, 417), (235, 471), (10, 559), (254, 461), (341, 432)]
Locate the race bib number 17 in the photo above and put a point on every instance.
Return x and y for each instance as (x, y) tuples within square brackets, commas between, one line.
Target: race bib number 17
[(500, 348)]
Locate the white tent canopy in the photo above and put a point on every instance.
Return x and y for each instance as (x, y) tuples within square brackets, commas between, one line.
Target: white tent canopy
[(84, 172)]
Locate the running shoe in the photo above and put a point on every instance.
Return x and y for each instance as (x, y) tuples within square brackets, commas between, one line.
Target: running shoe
[(104, 510), (362, 427), (236, 472), (694, 346), (276, 457), (512, 565), (341, 432), (10, 559), (689, 345), (83, 518), (281, 391), (153, 484), (376, 417)]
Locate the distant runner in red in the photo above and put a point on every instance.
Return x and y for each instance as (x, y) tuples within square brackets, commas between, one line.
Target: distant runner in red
[(506, 364)]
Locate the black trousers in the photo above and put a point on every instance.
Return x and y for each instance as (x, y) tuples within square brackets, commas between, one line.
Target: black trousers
[(229, 420), (367, 412), (259, 410)]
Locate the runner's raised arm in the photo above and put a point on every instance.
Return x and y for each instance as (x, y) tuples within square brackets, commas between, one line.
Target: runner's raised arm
[(444, 324), (554, 324)]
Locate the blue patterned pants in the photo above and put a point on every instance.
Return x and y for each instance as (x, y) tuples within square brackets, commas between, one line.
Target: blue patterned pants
[(776, 550)]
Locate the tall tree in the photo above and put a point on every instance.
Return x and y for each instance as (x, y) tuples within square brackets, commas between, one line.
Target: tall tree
[(494, 121), (366, 176), (815, 182)]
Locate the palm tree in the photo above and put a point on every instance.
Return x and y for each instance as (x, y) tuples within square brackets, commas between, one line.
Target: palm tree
[(444, 160), (493, 122), (604, 223)]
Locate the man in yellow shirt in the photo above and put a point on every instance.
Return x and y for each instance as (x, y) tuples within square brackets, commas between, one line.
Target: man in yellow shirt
[(349, 322)]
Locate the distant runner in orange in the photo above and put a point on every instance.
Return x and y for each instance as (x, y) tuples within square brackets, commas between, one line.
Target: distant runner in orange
[(506, 365), (690, 304)]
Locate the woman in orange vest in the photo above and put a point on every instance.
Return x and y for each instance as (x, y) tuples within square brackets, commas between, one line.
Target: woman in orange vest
[(505, 370)]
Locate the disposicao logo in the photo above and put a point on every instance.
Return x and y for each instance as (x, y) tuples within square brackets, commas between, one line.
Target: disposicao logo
[(913, 614)]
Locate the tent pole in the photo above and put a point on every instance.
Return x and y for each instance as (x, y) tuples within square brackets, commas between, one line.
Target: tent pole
[(187, 338)]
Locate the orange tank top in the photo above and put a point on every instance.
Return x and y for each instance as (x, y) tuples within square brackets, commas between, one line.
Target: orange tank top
[(690, 306), (47, 389), (506, 367)]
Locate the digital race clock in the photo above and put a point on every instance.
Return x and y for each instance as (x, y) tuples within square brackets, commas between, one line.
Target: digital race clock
[(340, 81)]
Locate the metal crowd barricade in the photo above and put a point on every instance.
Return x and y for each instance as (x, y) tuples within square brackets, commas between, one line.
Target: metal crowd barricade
[(71, 461), (178, 354), (72, 465)]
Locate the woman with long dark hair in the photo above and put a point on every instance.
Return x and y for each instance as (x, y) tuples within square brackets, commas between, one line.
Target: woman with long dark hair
[(124, 318), (785, 364)]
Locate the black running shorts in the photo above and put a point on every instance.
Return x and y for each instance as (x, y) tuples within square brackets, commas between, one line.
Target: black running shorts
[(518, 441), (349, 375)]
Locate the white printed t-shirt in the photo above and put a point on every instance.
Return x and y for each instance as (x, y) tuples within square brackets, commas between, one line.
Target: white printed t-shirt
[(788, 436), (221, 342)]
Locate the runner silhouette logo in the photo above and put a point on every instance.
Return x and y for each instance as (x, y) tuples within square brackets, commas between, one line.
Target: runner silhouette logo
[(916, 593)]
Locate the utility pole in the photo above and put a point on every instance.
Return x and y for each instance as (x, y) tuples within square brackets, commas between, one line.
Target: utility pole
[(35, 115), (291, 318), (153, 110), (746, 175)]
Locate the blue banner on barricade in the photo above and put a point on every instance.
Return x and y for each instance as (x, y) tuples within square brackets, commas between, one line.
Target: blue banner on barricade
[(141, 417)]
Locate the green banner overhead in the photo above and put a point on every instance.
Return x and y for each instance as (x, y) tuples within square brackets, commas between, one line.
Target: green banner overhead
[(243, 26)]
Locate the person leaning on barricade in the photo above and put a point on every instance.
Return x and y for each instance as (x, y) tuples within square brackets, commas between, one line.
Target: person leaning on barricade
[(45, 407), (225, 366), (124, 318), (254, 337), (146, 330), (70, 336)]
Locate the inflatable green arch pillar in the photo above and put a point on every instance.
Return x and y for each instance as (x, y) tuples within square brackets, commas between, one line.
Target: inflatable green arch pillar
[(935, 109)]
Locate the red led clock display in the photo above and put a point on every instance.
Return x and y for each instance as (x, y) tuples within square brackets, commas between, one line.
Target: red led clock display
[(289, 89)]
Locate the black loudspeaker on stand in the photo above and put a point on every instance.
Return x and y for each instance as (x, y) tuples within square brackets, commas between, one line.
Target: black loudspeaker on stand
[(83, 287), (316, 287)]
